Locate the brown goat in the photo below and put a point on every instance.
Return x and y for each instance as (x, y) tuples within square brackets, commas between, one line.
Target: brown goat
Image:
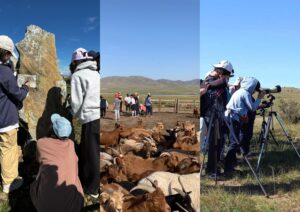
[(108, 138), (149, 202), (136, 167)]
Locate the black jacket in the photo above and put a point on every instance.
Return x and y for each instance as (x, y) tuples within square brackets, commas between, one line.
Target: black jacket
[(214, 93)]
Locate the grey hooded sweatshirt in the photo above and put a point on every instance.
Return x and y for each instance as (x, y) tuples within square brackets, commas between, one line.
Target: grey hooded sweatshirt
[(241, 101), (85, 92)]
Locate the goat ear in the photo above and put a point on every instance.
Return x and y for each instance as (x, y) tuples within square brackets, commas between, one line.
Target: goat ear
[(104, 197), (127, 197)]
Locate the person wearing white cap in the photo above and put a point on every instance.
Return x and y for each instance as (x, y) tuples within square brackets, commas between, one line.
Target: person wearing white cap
[(85, 98), (217, 93), (11, 98), (57, 186)]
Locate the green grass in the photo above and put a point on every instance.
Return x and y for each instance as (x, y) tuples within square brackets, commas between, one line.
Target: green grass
[(242, 193)]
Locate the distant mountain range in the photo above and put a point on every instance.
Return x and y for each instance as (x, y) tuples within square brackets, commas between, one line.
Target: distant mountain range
[(143, 84)]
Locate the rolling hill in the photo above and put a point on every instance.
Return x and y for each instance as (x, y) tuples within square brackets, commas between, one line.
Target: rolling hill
[(145, 85)]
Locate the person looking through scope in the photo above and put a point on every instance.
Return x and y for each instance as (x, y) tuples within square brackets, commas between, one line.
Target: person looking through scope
[(215, 96), (238, 108)]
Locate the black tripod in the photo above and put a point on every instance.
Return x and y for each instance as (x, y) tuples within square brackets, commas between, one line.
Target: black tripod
[(265, 131), (217, 116)]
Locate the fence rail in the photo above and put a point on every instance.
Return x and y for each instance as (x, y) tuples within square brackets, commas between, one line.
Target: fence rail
[(176, 105)]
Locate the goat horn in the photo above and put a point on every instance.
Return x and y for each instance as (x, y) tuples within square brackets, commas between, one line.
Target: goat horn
[(153, 183), (185, 210), (114, 151), (179, 192), (165, 153), (181, 184), (115, 160), (120, 149), (148, 139), (144, 187)]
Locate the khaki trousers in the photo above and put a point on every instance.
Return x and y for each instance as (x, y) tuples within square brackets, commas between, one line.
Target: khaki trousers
[(9, 154)]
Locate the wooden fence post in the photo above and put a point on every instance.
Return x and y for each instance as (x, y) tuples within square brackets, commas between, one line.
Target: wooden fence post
[(177, 105), (159, 104)]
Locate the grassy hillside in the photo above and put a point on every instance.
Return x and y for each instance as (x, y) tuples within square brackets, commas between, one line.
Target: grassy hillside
[(144, 85)]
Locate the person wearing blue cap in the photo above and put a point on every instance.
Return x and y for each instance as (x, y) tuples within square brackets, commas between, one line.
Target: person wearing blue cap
[(57, 186)]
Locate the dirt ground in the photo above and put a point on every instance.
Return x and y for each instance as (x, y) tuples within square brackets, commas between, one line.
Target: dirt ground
[(168, 119)]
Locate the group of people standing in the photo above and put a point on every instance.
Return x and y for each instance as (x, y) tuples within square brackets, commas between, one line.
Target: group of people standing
[(64, 175), (132, 105), (220, 102)]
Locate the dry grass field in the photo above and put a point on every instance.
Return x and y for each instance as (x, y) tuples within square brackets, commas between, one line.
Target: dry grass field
[(279, 173)]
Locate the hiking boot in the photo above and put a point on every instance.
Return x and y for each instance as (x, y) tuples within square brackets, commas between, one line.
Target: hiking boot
[(17, 183)]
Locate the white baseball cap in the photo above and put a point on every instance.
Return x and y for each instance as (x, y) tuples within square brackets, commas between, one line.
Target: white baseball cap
[(6, 43), (225, 64)]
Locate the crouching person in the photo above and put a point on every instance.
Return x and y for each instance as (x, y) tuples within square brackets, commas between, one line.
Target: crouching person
[(57, 186), (240, 106)]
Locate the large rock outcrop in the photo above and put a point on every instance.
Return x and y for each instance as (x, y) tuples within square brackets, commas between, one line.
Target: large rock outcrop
[(38, 57)]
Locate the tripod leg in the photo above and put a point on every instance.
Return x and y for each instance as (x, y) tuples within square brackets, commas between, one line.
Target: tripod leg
[(207, 140), (286, 133), (257, 179), (264, 141), (216, 138), (276, 142), (244, 156)]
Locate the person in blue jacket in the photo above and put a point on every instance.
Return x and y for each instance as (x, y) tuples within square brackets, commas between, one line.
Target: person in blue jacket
[(11, 98), (238, 108)]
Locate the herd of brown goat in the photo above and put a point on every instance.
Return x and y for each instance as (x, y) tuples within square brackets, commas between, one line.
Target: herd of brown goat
[(150, 169)]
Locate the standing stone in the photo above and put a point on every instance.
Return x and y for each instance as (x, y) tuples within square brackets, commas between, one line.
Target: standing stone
[(38, 57)]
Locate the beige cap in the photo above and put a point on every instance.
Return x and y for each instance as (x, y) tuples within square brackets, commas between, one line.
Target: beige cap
[(6, 43)]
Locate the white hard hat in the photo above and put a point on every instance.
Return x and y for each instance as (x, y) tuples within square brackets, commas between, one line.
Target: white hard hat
[(225, 64), (6, 43)]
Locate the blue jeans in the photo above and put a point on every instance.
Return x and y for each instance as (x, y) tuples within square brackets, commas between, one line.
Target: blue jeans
[(244, 133), (149, 110)]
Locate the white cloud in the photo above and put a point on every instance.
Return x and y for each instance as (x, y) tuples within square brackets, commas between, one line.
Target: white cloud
[(89, 28), (91, 24), (92, 19)]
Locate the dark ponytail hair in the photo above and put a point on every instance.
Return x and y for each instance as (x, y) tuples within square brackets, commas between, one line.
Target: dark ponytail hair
[(73, 65)]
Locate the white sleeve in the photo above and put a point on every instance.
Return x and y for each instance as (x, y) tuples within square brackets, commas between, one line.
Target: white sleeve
[(76, 95)]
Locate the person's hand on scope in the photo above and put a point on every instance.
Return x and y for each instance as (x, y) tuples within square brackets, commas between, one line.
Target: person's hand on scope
[(261, 94)]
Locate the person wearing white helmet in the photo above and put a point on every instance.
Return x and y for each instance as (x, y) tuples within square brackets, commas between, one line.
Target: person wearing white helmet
[(11, 98), (217, 93)]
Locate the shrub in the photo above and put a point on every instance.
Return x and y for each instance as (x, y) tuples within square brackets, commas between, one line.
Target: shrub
[(290, 111)]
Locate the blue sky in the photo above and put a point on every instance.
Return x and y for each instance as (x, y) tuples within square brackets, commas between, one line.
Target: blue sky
[(75, 23), (260, 38), (152, 38)]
